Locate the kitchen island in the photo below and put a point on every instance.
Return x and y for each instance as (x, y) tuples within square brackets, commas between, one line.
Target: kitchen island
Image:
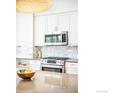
[(48, 82)]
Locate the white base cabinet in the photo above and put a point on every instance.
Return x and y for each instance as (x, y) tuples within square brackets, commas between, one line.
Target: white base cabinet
[(71, 68), (35, 64)]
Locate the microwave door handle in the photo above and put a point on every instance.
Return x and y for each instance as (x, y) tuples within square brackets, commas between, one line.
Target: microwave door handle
[(67, 37), (61, 38)]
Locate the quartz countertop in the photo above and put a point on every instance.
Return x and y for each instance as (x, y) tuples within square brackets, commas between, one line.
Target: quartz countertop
[(29, 58), (72, 60), (48, 82), (68, 60)]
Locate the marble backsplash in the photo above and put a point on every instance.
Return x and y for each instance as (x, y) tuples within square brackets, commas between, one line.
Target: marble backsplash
[(60, 51)]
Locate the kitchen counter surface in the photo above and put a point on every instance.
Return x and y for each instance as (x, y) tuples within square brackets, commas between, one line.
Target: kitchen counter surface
[(29, 58), (48, 82), (72, 60), (68, 60)]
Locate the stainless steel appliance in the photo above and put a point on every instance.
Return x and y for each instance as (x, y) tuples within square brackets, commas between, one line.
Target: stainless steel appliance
[(56, 38), (55, 64)]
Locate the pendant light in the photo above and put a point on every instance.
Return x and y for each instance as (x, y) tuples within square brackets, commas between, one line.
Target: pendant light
[(33, 6)]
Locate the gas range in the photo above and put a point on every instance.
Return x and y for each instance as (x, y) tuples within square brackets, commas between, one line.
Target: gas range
[(56, 64)]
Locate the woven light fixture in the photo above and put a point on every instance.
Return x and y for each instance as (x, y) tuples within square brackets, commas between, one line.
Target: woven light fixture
[(33, 6)]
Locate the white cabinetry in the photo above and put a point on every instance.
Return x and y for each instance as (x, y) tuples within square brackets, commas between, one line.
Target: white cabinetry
[(71, 68), (40, 26), (56, 22), (63, 22), (52, 23), (48, 24), (73, 32), (35, 64)]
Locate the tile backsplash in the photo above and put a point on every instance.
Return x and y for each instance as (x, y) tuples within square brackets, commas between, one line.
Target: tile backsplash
[(60, 51)]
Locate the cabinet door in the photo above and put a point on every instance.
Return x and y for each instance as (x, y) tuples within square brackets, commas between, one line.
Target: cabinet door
[(71, 68), (73, 33), (40, 26), (34, 64), (52, 23), (63, 20)]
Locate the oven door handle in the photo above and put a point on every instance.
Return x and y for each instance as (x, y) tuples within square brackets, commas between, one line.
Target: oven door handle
[(51, 66)]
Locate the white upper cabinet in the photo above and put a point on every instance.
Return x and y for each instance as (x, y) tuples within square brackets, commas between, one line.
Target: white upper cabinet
[(56, 22), (63, 22), (40, 23), (52, 23), (73, 32), (48, 24)]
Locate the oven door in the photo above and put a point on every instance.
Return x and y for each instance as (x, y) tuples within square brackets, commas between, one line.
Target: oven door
[(52, 68)]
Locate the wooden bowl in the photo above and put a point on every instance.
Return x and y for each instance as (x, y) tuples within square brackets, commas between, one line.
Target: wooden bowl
[(26, 75)]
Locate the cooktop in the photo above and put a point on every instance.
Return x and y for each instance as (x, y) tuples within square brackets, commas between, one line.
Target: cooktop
[(56, 58)]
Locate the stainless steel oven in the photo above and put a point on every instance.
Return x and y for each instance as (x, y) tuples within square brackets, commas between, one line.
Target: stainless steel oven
[(52, 68), (53, 64), (56, 38)]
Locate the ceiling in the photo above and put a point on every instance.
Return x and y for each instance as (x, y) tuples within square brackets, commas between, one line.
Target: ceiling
[(33, 6)]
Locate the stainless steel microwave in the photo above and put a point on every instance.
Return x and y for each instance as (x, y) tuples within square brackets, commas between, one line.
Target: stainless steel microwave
[(56, 38)]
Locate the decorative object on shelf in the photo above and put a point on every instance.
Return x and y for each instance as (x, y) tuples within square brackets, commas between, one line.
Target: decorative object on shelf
[(33, 6)]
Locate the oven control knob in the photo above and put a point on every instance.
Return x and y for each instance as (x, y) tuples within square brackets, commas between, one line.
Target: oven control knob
[(44, 61), (58, 62)]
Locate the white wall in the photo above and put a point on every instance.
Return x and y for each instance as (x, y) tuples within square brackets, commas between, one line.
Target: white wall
[(62, 6), (24, 29), (24, 35)]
